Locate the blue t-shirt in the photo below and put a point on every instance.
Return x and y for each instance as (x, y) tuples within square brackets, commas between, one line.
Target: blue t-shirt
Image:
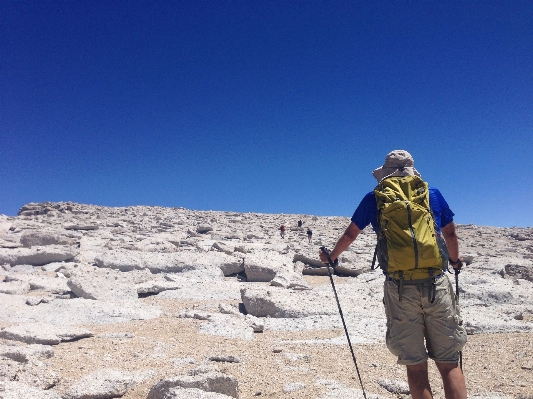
[(366, 212)]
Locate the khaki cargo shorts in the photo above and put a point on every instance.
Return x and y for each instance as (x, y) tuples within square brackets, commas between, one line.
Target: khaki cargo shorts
[(416, 319)]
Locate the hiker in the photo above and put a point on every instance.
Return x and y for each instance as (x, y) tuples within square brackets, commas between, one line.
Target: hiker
[(282, 231), (419, 301), (309, 234), (300, 223)]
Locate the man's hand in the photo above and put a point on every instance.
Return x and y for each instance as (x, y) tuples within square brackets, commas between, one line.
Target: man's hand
[(325, 257), (452, 244), (457, 264), (349, 236)]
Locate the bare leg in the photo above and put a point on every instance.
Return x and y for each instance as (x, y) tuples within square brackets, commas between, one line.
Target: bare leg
[(453, 380), (418, 379)]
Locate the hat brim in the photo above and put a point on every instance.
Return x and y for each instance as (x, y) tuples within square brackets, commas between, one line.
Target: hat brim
[(383, 172)]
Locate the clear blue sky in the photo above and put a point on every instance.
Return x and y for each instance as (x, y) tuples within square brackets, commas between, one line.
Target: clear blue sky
[(266, 106)]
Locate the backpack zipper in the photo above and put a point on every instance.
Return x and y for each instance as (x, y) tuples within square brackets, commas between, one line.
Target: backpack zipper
[(412, 233)]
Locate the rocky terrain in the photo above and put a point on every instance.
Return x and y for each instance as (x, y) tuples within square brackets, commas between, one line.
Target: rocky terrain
[(161, 303)]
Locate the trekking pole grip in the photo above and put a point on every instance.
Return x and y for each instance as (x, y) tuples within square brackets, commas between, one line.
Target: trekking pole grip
[(459, 266), (326, 252)]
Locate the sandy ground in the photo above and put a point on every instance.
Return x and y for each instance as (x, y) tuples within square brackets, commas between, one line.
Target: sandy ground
[(492, 362)]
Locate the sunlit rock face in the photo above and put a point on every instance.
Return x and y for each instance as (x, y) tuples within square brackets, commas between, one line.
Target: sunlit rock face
[(68, 271)]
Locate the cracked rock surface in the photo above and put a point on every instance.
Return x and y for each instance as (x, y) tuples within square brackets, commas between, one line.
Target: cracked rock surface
[(153, 302)]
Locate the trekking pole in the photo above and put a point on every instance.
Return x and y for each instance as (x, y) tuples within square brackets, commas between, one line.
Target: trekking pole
[(457, 271), (333, 264)]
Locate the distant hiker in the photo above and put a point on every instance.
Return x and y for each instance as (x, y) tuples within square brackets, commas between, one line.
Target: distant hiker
[(409, 218), (309, 234), (300, 223), (282, 231)]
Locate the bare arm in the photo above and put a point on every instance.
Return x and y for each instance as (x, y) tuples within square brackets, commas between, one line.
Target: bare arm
[(349, 236), (452, 242)]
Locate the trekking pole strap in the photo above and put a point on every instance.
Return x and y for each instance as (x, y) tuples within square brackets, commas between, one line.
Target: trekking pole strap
[(400, 287), (432, 286)]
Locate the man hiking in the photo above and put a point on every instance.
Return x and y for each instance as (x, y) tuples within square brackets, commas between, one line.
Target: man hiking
[(423, 319), (309, 234), (282, 231)]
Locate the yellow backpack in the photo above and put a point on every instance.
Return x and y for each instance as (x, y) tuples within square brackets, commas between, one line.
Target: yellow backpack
[(408, 246)]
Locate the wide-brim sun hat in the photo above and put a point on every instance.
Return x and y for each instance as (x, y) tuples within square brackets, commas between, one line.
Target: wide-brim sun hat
[(398, 163)]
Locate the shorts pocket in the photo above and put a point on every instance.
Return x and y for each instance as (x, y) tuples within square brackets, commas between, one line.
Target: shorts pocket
[(459, 334), (392, 342)]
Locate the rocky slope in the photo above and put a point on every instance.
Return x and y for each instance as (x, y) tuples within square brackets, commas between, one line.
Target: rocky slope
[(152, 302)]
